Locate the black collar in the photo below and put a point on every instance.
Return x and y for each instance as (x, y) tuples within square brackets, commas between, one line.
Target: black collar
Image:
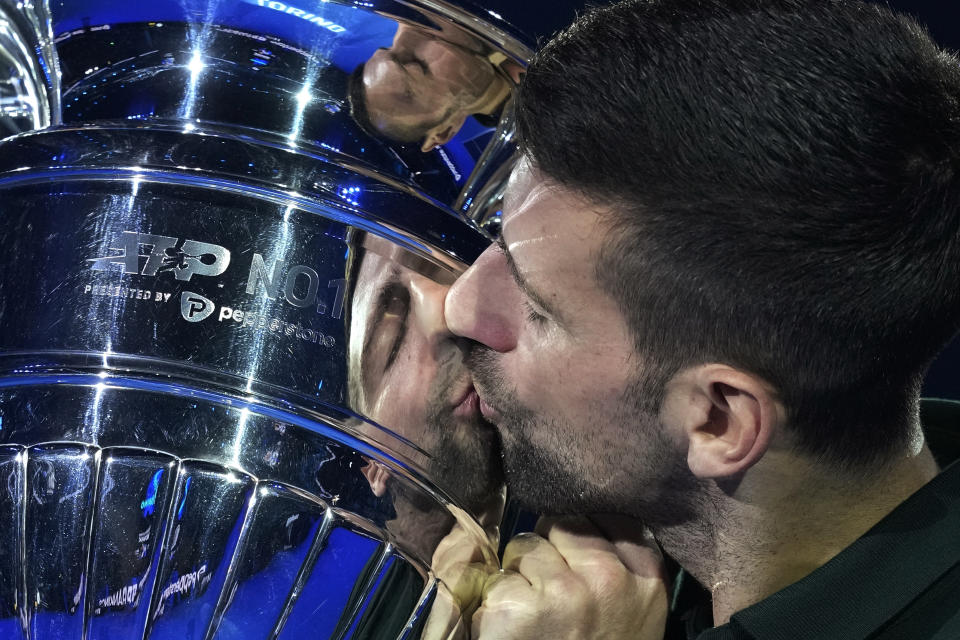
[(880, 574)]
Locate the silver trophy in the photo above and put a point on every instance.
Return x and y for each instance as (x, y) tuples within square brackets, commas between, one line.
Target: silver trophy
[(229, 407)]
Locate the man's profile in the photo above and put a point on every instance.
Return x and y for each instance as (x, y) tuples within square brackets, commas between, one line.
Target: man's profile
[(728, 256), (407, 372)]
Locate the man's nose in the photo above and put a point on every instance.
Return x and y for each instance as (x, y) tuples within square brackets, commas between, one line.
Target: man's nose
[(426, 301), (484, 303)]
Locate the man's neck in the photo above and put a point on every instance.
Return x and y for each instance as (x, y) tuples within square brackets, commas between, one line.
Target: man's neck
[(784, 521)]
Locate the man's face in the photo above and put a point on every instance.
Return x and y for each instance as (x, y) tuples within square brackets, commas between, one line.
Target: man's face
[(556, 368), (412, 377), (422, 81), (402, 90)]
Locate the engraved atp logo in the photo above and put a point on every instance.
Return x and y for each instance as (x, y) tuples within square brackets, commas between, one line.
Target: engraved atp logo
[(194, 307), (165, 253), (271, 279)]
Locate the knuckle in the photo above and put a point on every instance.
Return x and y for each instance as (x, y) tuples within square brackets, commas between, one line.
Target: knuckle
[(510, 612), (521, 546), (605, 572), (652, 592), (611, 578), (571, 590), (524, 541)]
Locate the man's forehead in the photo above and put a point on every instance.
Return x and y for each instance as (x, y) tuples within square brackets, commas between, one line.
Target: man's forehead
[(527, 184), (551, 238), (550, 234), (537, 199)]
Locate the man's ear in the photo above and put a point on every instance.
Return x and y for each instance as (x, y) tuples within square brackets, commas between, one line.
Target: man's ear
[(377, 476), (443, 132), (727, 416)]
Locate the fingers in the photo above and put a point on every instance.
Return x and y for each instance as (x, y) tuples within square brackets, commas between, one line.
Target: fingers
[(509, 605), (583, 547), (460, 564), (445, 621), (583, 542), (633, 544), (572, 534), (505, 583), (612, 556), (535, 559), (570, 585), (578, 579)]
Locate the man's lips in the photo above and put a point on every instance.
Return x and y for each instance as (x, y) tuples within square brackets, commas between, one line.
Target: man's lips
[(489, 413), (469, 405), (472, 405)]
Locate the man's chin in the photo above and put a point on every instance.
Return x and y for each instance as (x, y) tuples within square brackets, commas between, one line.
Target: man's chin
[(468, 461), (540, 483)]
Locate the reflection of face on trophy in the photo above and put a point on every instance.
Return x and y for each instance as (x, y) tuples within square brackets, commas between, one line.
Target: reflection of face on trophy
[(407, 372), (423, 87)]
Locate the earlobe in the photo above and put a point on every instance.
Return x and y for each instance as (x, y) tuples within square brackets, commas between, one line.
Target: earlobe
[(728, 418), (443, 132), (430, 143), (377, 476)]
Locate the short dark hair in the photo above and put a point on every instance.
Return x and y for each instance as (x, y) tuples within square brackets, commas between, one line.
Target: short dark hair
[(357, 98), (784, 181)]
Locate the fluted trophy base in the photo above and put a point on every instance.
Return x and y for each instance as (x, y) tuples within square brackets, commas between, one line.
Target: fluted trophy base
[(127, 516)]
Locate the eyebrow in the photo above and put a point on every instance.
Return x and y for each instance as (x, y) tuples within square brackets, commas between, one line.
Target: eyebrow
[(522, 283)]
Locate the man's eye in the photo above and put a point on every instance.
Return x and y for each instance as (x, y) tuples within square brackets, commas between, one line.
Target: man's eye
[(390, 326), (395, 315), (396, 302), (534, 316)]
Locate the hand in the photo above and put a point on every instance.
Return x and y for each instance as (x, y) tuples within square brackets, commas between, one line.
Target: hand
[(462, 562), (574, 581)]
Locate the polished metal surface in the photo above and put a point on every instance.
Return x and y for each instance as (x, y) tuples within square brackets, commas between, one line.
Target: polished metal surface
[(229, 406), (29, 85), (409, 93)]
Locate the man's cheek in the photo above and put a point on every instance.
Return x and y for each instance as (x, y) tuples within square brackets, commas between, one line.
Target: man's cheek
[(548, 382)]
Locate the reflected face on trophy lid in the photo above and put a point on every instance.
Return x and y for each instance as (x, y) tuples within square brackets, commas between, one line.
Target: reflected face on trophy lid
[(407, 372), (342, 81), (422, 88)]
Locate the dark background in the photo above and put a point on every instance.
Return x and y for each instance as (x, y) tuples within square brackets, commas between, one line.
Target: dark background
[(541, 18)]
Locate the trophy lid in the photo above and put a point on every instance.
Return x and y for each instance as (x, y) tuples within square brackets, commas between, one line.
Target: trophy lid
[(415, 95)]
